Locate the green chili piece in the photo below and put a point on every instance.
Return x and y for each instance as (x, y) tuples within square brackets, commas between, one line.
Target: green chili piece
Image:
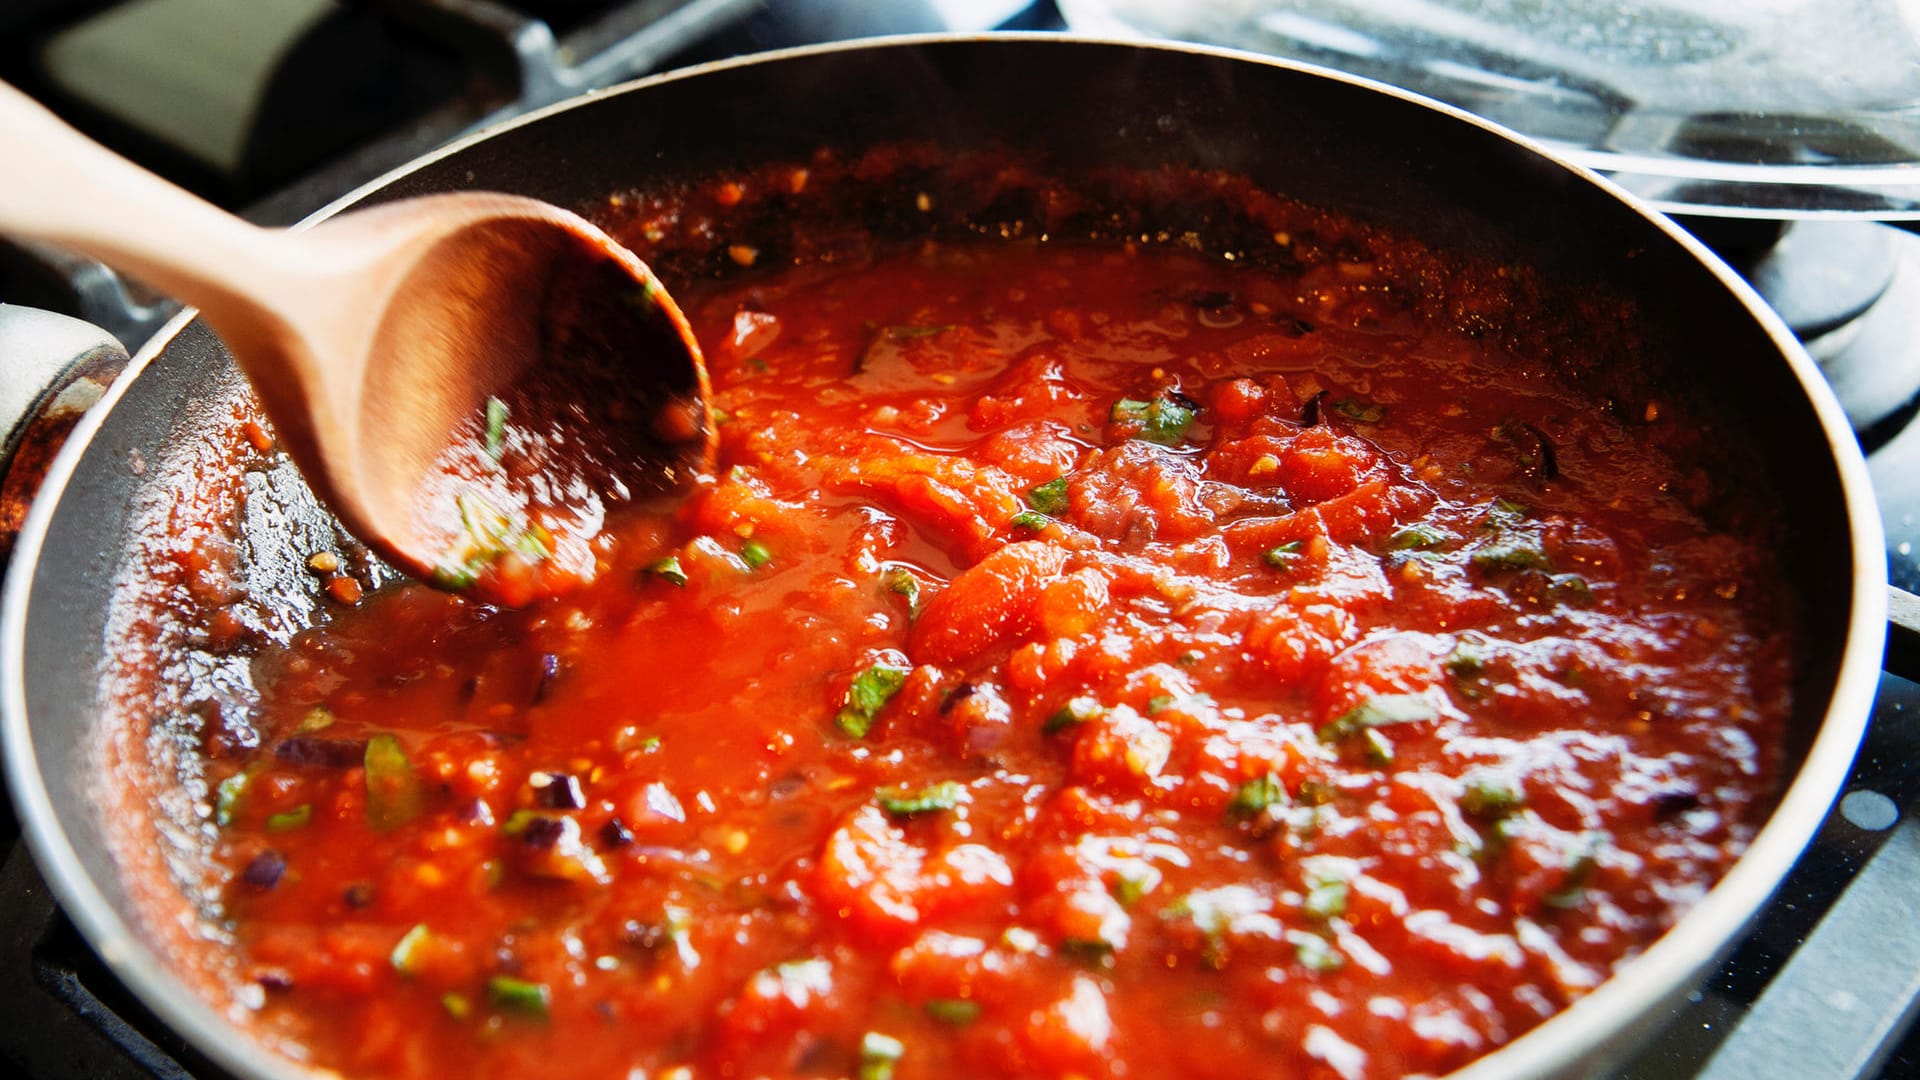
[(1076, 711), (395, 793), (1491, 797), (529, 999), (942, 796), (956, 1011), (669, 570), (288, 820), (1326, 900), (496, 438), (877, 1055), (755, 554)]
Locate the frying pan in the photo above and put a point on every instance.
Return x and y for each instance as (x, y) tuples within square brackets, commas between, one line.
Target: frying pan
[(1382, 155)]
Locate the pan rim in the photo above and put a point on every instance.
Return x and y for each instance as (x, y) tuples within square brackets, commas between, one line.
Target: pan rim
[(1670, 964)]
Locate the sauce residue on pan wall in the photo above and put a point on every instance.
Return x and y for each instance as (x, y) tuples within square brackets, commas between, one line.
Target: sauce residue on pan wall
[(1089, 659)]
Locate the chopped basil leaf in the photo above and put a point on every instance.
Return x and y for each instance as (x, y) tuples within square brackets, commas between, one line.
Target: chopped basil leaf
[(1250, 798), (286, 821), (1417, 537), (908, 333), (496, 438), (1380, 710), (1029, 519), (1133, 882), (1511, 553), (406, 955), (942, 796), (1315, 953), (529, 999), (1580, 867), (1359, 411), (1076, 711), (1159, 703), (755, 554), (227, 797), (1162, 420), (1326, 900), (869, 693), (1049, 498), (903, 582), (395, 794), (1491, 797), (669, 570), (1283, 556), (956, 1011)]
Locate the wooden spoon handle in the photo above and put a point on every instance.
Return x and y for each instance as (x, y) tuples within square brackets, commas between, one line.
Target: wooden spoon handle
[(60, 186)]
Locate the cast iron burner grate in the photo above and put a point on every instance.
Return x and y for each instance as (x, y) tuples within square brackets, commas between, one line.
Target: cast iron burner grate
[(1823, 986)]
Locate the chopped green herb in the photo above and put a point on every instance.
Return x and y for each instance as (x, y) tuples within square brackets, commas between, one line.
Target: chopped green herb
[(286, 821), (1049, 498), (669, 570), (1511, 553), (877, 1055), (1380, 710), (1580, 866), (395, 794), (1571, 589), (1379, 747), (1315, 953), (902, 581), (1491, 797), (1162, 420), (942, 796), (909, 333), (1250, 798), (869, 693), (1283, 556), (1076, 711), (226, 799), (1314, 792), (1326, 900), (755, 554), (456, 1005), (1505, 511), (1092, 952), (318, 718), (956, 1011), (1468, 658), (518, 821), (406, 955), (1417, 537), (513, 995), (1029, 519), (496, 438), (1359, 411), (485, 536), (1159, 703), (1130, 883)]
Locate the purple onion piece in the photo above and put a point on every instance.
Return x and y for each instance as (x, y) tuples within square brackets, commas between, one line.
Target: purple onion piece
[(549, 670), (265, 870), (543, 833), (615, 833), (358, 896), (312, 750), (558, 791)]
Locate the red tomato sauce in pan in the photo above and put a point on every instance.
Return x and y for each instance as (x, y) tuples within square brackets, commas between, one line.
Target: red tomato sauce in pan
[(1087, 661)]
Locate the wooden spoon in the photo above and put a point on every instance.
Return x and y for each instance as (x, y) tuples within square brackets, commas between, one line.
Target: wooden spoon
[(469, 381)]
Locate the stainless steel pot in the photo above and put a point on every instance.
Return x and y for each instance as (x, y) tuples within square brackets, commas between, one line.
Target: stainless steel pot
[(1380, 154)]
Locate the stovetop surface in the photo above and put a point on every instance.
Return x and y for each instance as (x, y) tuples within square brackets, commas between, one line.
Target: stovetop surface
[(1823, 985)]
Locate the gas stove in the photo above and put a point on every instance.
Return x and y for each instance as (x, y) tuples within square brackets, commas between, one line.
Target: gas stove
[(323, 95)]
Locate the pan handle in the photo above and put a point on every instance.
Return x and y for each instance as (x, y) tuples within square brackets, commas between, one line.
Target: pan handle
[(1903, 633), (52, 370)]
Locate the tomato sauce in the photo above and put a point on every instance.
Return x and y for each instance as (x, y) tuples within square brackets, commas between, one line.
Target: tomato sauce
[(1087, 660)]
